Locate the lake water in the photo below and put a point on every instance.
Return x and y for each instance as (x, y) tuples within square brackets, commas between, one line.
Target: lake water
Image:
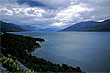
[(88, 50)]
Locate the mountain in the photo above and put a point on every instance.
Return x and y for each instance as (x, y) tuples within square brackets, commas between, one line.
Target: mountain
[(29, 27), (9, 27), (49, 29), (33, 28), (89, 26)]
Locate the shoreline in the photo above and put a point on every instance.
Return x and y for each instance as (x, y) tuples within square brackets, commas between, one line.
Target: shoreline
[(24, 56)]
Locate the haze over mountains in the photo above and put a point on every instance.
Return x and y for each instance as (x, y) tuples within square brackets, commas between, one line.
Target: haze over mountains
[(33, 28), (82, 26), (10, 27), (89, 26)]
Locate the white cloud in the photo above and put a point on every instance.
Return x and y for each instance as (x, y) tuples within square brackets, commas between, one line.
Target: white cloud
[(36, 11), (58, 24), (23, 11), (72, 11), (21, 14), (6, 11), (67, 15)]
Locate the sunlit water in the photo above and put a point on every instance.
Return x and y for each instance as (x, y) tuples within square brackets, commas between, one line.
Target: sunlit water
[(88, 50)]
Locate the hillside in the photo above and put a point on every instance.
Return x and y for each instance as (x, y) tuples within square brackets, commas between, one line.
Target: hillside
[(89, 26), (9, 27), (16, 50)]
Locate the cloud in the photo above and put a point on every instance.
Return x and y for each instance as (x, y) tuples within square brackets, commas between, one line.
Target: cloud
[(21, 13), (73, 11), (32, 3), (51, 4), (28, 11), (58, 24), (6, 11), (53, 13)]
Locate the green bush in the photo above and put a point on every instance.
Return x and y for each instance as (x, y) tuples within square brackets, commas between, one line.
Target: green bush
[(10, 64)]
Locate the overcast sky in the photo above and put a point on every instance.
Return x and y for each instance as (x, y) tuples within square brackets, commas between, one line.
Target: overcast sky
[(53, 13)]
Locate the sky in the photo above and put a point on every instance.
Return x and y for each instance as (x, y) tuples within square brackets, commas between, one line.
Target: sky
[(53, 13)]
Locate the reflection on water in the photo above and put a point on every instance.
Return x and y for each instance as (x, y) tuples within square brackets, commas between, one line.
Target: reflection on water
[(88, 50)]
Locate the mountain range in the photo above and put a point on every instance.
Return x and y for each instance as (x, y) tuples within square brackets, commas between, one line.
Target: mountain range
[(82, 26), (90, 26), (9, 27), (29, 28)]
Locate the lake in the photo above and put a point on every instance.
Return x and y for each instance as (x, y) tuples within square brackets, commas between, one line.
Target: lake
[(88, 50)]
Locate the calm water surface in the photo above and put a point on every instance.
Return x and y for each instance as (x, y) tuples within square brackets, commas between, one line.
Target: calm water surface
[(88, 50)]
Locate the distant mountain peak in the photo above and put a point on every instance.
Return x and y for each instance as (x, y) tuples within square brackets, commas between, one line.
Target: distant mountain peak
[(90, 26)]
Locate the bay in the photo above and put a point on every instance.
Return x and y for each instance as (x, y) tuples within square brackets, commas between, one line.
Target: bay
[(88, 50)]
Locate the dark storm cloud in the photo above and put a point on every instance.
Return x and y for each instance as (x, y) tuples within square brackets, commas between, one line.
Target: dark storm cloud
[(33, 3), (51, 4)]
